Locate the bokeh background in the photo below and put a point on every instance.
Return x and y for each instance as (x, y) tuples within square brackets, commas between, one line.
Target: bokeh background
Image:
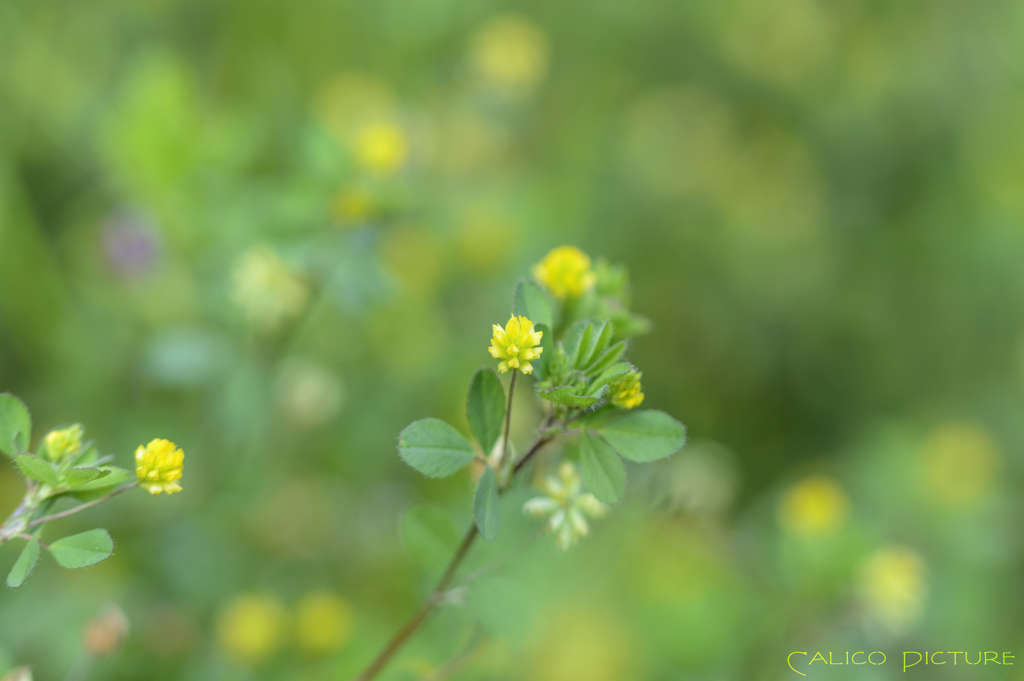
[(276, 233)]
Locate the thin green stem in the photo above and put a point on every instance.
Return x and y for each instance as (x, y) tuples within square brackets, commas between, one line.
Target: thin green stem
[(81, 507), (508, 418)]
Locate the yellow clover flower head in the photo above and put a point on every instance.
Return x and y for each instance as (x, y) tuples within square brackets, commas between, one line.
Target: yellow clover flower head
[(324, 623), (382, 148), (158, 466), (63, 442), (516, 345), (566, 272), (251, 628), (628, 393), (565, 507), (815, 507), (893, 587)]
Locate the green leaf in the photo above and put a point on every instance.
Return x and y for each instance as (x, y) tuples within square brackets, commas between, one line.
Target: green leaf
[(487, 506), (579, 353), (609, 357), (33, 467), (530, 300), (15, 425), (645, 435), (82, 550), (565, 395), (572, 339), (602, 469), (485, 408), (23, 566), (598, 346), (434, 448), (547, 341), (73, 477), (113, 477), (610, 375), (429, 534)]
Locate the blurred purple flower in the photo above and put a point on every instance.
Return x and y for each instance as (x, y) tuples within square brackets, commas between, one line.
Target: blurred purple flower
[(131, 243)]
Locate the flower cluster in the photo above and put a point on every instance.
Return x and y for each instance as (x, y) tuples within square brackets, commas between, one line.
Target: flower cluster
[(628, 393), (566, 272), (565, 507), (64, 442), (158, 467), (516, 345)]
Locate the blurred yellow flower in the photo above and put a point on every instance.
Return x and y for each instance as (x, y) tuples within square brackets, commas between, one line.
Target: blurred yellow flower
[(516, 345), (323, 622), (158, 467), (250, 628), (959, 463), (509, 54), (584, 644), (893, 587), (627, 394), (382, 148), (565, 507), (814, 507), (63, 442), (266, 289), (566, 272)]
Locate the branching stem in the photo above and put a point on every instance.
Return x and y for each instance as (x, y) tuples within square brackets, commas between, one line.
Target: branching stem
[(81, 507)]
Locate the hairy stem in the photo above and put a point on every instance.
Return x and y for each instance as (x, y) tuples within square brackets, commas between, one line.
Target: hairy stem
[(414, 622), (82, 507)]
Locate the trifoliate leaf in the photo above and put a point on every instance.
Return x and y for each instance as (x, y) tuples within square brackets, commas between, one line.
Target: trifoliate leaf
[(33, 467), (23, 566), (485, 408), (602, 336), (82, 550), (645, 435), (602, 469), (487, 505), (530, 301), (434, 448), (610, 375), (15, 425)]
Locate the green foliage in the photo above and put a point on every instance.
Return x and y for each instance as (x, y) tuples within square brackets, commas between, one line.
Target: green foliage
[(485, 408), (434, 448), (15, 425), (37, 469), (487, 505), (644, 436), (76, 477), (25, 563), (532, 302), (567, 395), (82, 550), (602, 468)]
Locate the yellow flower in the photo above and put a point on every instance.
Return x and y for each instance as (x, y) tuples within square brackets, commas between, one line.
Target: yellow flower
[(64, 442), (814, 507), (565, 506), (893, 587), (509, 54), (516, 344), (382, 148), (566, 272), (324, 622), (627, 394), (250, 628), (960, 462), (266, 288), (158, 467)]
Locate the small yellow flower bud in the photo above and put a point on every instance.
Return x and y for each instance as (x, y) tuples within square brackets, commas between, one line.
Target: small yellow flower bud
[(627, 394), (64, 442), (566, 272), (516, 345), (158, 466)]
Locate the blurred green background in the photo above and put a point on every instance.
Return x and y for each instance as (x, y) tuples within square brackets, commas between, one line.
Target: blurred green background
[(276, 233)]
